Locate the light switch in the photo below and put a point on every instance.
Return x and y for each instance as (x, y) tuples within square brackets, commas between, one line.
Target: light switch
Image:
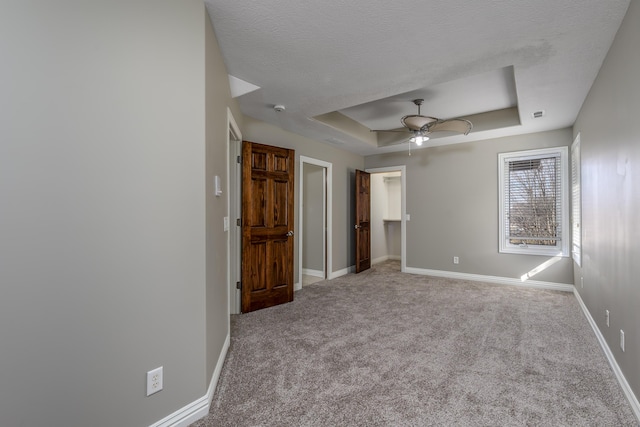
[(217, 186)]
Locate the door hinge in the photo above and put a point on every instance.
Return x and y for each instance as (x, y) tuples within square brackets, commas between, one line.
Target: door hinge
[(238, 222), (238, 159), (238, 285)]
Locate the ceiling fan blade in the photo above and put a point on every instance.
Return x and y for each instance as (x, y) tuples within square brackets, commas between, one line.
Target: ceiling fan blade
[(389, 130), (451, 125), (417, 122)]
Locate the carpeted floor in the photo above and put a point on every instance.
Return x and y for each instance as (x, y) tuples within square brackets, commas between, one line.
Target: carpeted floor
[(383, 348)]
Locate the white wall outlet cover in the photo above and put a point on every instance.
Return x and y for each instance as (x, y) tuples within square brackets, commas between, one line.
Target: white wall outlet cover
[(408, 217), (154, 381)]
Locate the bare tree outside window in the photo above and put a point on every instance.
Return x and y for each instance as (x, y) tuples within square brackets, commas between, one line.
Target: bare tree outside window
[(533, 202)]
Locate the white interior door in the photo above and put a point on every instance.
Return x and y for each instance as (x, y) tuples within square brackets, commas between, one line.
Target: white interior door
[(234, 243)]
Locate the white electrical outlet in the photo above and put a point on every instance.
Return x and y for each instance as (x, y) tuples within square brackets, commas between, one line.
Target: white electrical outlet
[(622, 339), (606, 317), (154, 381), (456, 260)]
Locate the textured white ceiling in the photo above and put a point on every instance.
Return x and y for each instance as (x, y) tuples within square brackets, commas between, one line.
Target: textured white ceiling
[(493, 90), (367, 59)]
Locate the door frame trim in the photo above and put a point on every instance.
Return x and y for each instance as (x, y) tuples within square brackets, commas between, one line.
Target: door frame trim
[(328, 205), (233, 262), (403, 208)]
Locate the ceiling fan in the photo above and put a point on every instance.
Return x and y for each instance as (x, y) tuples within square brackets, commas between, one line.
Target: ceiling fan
[(422, 126)]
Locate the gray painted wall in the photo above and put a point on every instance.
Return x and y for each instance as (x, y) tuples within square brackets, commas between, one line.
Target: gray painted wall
[(610, 145), (218, 99), (313, 224), (344, 166), (111, 256), (452, 197)]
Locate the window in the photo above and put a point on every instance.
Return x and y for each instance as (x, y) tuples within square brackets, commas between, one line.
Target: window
[(576, 203), (534, 214)]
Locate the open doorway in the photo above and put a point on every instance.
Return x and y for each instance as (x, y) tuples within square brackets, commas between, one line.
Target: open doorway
[(388, 217), (314, 223)]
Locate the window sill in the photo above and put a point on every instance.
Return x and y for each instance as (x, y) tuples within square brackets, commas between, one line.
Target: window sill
[(555, 252)]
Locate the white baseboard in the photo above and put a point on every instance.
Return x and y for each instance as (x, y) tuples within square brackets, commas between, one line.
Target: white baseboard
[(297, 286), (385, 258), (314, 273), (342, 272), (199, 408), (631, 397), (565, 287), (379, 259)]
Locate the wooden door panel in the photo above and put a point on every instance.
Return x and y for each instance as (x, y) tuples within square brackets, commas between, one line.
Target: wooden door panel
[(280, 272), (259, 161), (280, 163), (365, 245), (363, 219), (281, 202), (256, 257), (267, 218), (258, 213)]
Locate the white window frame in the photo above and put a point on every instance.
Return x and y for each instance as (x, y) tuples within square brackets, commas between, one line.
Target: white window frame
[(576, 202), (562, 249)]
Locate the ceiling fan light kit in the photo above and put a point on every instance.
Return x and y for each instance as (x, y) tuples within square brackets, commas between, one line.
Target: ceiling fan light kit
[(421, 126), (419, 137)]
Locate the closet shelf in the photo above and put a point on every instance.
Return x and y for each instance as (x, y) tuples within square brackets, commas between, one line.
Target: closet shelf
[(391, 219)]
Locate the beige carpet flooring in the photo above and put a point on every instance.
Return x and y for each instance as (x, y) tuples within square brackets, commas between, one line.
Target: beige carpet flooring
[(383, 348)]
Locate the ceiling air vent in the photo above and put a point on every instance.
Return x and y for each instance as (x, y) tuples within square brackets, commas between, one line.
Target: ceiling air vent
[(537, 114)]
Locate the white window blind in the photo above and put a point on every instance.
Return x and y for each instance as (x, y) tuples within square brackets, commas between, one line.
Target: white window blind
[(533, 202), (576, 203)]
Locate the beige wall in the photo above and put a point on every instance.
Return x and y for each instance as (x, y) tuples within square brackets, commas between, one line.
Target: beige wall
[(218, 100), (610, 145), (112, 255), (452, 197), (344, 166)]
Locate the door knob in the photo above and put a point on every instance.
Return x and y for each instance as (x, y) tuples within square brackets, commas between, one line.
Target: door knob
[(356, 226), (290, 233)]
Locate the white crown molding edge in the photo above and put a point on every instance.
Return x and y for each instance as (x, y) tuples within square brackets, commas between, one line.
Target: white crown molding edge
[(199, 408)]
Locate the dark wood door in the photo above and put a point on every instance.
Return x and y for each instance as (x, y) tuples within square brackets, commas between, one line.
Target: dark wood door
[(363, 221), (267, 226)]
